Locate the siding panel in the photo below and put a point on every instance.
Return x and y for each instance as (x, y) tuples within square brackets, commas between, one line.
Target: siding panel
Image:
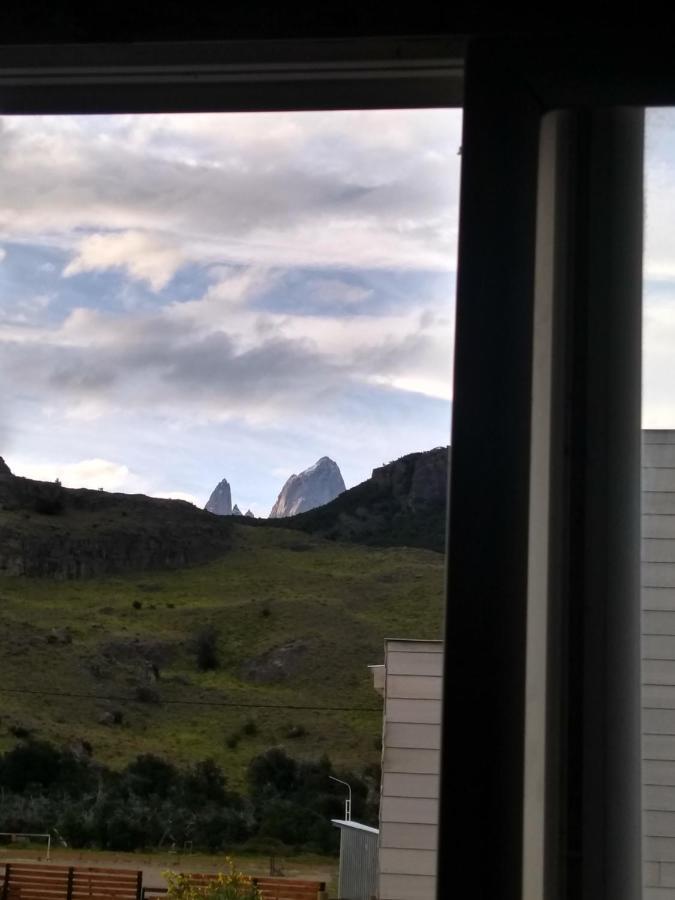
[(658, 575), (408, 862), (424, 711), (412, 735), (421, 762), (661, 480), (395, 785), (658, 550), (658, 772), (656, 646), (412, 687), (658, 599), (415, 664), (403, 836), (407, 887), (413, 810), (655, 696), (658, 671), (658, 515)]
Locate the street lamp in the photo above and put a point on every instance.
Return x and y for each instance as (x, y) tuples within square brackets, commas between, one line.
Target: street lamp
[(348, 801)]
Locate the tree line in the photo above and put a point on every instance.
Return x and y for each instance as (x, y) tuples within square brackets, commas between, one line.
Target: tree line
[(152, 803)]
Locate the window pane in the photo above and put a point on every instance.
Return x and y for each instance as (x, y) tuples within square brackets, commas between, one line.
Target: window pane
[(250, 313)]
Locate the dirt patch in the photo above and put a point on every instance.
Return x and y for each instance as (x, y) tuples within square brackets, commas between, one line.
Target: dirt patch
[(276, 664)]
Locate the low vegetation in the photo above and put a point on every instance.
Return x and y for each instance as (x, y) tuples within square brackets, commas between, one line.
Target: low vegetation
[(151, 803)]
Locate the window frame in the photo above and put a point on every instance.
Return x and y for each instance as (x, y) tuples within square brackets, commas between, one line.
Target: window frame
[(506, 86)]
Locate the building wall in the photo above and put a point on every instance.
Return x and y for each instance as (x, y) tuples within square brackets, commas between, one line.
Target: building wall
[(658, 666), (358, 861), (410, 770)]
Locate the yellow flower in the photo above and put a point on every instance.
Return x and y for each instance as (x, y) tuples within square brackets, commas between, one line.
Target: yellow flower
[(230, 885)]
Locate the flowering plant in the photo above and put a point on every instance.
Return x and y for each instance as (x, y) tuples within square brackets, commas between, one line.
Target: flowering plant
[(230, 885)]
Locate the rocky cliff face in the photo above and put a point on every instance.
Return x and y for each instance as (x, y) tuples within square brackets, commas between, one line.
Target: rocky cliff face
[(418, 482), (314, 487), (401, 504), (220, 501), (48, 530)]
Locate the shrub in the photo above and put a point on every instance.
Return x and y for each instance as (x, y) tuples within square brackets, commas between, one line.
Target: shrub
[(231, 885), (206, 647), (250, 728), (144, 694)]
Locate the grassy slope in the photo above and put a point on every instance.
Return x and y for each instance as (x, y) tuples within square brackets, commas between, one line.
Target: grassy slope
[(343, 599)]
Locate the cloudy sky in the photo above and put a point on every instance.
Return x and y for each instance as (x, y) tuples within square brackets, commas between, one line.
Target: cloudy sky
[(187, 298), (658, 393)]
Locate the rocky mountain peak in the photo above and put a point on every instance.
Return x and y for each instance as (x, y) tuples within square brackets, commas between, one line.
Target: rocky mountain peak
[(220, 501), (236, 511), (250, 514), (316, 486)]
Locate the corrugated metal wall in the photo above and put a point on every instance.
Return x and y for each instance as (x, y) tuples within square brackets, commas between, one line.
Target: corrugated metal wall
[(410, 770), (358, 864)]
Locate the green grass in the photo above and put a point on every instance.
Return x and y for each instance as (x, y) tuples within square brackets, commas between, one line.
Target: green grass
[(273, 587)]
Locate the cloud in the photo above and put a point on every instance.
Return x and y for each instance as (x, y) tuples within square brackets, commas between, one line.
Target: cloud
[(208, 359), (298, 265), (87, 473), (145, 257), (179, 495), (374, 188), (335, 291)]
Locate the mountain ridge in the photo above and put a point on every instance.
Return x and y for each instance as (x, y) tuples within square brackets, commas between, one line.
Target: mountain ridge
[(403, 503), (314, 486), (52, 531)]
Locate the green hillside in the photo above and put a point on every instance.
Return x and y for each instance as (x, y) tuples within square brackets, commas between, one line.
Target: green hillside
[(297, 620)]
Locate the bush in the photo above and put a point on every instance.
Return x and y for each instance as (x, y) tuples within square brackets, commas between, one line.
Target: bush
[(146, 694), (231, 885), (206, 648)]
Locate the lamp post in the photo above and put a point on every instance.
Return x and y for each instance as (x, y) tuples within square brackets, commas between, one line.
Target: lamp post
[(348, 801)]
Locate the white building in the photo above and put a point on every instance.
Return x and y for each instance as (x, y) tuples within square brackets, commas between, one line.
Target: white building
[(411, 680)]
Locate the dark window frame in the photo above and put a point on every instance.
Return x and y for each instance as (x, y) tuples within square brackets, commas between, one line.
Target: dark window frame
[(509, 88)]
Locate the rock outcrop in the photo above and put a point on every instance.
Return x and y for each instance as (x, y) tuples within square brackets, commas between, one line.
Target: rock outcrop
[(250, 514), (236, 511), (220, 501), (278, 664), (314, 487), (4, 468), (402, 504), (47, 530)]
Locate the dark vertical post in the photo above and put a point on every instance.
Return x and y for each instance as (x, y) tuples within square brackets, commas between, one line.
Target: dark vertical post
[(5, 886), (69, 886), (599, 646), (481, 817)]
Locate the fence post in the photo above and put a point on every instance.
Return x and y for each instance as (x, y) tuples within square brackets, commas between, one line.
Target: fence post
[(69, 889), (5, 886)]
